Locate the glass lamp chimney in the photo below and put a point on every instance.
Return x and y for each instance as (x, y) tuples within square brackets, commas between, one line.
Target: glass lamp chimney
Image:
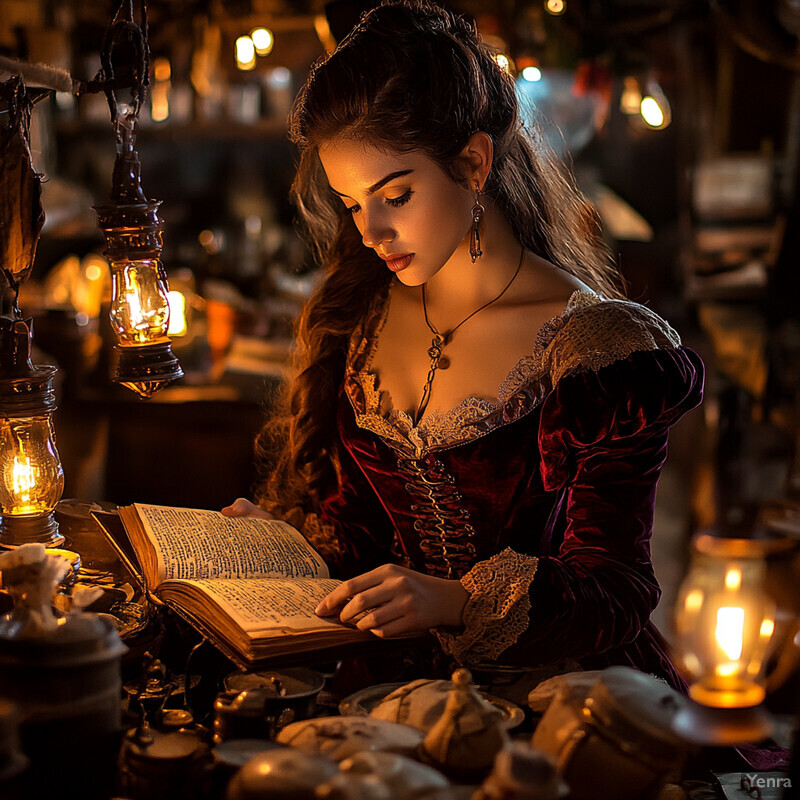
[(31, 476), (725, 623), (139, 305)]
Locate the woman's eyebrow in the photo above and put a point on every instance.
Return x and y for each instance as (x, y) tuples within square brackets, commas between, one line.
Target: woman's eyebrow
[(382, 182)]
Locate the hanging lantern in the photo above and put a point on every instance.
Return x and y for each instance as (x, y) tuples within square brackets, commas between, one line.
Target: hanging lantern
[(31, 476), (725, 622), (139, 302)]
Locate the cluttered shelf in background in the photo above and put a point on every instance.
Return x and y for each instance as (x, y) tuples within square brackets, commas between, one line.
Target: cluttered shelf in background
[(212, 130)]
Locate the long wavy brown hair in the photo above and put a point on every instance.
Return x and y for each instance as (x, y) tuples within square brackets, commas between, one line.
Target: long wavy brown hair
[(409, 77)]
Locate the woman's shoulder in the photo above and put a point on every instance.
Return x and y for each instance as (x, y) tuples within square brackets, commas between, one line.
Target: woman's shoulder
[(594, 332), (617, 370)]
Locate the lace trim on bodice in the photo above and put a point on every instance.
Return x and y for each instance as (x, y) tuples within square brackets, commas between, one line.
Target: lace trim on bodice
[(590, 333)]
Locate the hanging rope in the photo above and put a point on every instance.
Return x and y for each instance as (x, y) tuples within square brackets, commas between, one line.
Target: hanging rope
[(124, 30)]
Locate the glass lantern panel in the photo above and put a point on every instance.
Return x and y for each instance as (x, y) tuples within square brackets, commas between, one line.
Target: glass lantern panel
[(31, 476), (139, 304), (724, 624)]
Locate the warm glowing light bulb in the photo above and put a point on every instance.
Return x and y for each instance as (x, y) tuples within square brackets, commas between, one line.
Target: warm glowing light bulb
[(93, 272), (532, 74), (245, 53), (263, 41), (651, 112), (177, 314), (159, 94), (555, 7), (31, 477), (139, 305), (654, 106), (162, 69)]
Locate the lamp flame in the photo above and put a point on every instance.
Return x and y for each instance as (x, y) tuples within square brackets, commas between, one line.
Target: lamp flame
[(730, 631), (23, 479)]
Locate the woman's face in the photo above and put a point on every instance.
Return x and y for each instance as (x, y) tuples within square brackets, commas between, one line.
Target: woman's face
[(406, 208)]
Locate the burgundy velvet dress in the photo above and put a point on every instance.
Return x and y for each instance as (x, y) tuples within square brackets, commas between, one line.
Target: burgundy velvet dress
[(540, 501)]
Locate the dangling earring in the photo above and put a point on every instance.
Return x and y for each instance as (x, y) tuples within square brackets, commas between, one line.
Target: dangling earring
[(475, 251)]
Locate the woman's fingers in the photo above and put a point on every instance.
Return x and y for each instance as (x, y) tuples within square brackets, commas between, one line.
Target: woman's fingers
[(391, 600), (346, 590), (380, 616), (242, 507), (366, 600)]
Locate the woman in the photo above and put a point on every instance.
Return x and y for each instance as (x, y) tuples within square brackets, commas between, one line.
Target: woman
[(479, 419)]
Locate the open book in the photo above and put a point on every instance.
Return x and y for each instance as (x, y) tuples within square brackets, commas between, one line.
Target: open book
[(249, 584)]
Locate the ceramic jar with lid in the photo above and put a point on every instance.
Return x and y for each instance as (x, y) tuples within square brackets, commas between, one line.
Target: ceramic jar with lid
[(614, 742)]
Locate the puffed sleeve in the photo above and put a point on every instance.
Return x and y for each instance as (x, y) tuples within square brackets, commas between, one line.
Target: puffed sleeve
[(351, 530), (590, 585)]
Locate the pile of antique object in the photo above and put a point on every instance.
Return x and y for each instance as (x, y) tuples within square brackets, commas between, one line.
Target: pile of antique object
[(586, 735)]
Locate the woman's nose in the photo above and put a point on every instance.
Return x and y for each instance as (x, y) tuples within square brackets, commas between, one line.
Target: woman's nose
[(376, 232)]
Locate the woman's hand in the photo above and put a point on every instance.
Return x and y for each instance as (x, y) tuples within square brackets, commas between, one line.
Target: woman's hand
[(242, 507), (394, 600)]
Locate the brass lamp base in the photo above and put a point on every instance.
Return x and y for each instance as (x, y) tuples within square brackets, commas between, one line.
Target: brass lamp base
[(147, 368), (722, 726), (34, 529)]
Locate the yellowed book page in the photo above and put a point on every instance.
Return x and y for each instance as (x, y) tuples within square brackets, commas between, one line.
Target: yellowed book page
[(195, 543), (258, 605)]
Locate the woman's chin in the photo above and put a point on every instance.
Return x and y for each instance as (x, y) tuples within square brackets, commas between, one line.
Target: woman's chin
[(412, 275)]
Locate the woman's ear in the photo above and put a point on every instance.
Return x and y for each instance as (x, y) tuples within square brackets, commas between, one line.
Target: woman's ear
[(476, 159)]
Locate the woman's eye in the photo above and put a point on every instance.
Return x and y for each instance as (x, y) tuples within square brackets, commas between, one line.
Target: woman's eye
[(400, 201), (351, 209)]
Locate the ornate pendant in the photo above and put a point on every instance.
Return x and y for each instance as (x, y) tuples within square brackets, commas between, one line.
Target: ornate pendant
[(435, 350), (444, 362)]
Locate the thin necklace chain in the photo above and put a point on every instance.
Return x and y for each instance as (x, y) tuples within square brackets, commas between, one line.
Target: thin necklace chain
[(441, 340)]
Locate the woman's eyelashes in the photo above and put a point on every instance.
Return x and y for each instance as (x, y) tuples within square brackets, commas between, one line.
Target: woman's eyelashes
[(395, 202)]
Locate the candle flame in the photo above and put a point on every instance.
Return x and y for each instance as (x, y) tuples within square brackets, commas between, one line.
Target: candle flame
[(730, 631), (23, 478)]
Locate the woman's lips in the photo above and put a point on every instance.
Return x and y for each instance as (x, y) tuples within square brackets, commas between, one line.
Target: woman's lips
[(398, 263)]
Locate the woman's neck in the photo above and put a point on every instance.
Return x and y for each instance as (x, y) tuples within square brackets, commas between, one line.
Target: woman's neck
[(460, 285)]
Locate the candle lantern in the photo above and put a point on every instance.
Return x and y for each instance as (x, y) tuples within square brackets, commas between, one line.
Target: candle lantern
[(725, 623), (139, 305), (31, 477)]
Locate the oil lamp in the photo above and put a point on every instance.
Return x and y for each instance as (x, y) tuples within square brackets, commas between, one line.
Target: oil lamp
[(31, 477), (139, 305), (725, 623)]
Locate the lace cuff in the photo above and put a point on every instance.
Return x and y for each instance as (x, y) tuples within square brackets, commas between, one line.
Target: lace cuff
[(496, 614)]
